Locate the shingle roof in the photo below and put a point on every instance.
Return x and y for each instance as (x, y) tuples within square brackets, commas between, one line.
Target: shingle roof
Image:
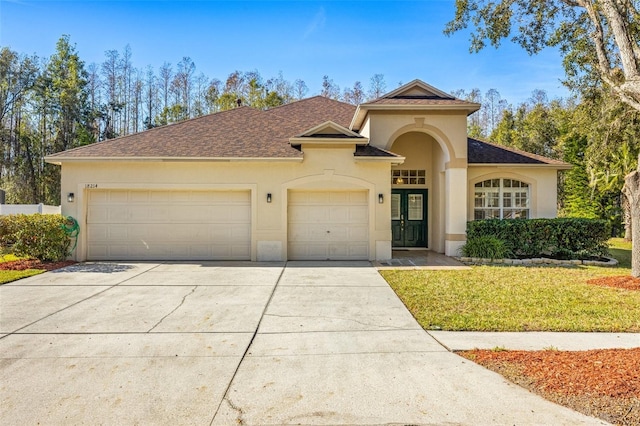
[(372, 151), (482, 152), (242, 132), (246, 132), (418, 101)]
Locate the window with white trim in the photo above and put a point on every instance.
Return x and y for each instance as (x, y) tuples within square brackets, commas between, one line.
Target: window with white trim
[(501, 199), (408, 177)]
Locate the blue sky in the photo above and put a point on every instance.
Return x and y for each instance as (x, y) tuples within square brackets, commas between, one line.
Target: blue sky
[(346, 40)]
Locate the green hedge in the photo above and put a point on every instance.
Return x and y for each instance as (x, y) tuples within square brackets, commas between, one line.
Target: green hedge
[(37, 236), (562, 238)]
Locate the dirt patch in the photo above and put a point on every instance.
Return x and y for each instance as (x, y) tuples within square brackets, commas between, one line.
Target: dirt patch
[(600, 383), (624, 281), (21, 265)]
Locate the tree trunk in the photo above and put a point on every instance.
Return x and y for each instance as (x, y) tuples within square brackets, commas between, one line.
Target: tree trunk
[(632, 191), (626, 215)]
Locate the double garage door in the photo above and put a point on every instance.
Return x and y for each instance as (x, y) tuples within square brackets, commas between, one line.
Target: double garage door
[(216, 225), (168, 225)]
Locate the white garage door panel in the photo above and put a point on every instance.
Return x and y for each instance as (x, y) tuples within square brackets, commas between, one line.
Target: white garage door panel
[(328, 225), (168, 225)]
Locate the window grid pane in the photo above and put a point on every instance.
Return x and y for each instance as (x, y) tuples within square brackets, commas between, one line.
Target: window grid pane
[(395, 206), (415, 207), (408, 177), (510, 201)]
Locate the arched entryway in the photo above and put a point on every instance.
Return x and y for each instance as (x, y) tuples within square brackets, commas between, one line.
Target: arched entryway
[(417, 186)]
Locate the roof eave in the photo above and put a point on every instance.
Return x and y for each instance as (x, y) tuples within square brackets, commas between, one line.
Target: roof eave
[(379, 159), (363, 110), (60, 160), (563, 166), (328, 141)]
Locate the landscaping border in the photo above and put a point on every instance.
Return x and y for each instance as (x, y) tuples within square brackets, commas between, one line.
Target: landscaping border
[(536, 261)]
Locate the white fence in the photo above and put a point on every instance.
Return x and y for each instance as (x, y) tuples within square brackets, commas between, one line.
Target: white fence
[(6, 209)]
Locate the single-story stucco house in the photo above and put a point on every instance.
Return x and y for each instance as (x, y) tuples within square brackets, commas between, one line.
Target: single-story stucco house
[(314, 179)]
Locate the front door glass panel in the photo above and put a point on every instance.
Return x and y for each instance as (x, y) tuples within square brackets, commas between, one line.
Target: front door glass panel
[(395, 206), (409, 217), (415, 206)]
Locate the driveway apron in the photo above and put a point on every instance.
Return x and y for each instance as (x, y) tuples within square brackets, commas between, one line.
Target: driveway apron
[(126, 344), (337, 346), (237, 343)]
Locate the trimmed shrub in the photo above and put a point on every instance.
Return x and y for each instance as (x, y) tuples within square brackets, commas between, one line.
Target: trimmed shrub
[(487, 247), (37, 236), (561, 238)]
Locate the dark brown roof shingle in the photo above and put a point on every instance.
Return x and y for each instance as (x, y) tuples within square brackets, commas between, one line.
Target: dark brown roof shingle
[(482, 152), (242, 132), (372, 151)]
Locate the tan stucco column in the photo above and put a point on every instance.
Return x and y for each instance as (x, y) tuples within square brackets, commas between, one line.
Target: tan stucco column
[(455, 198)]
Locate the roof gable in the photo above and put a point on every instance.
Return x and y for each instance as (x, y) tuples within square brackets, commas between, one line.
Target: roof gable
[(330, 129), (417, 89), (414, 96), (329, 133)]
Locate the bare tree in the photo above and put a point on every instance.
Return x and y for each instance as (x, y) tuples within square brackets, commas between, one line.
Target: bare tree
[(493, 106), (329, 88), (110, 71), (166, 76), (126, 78), (150, 97), (377, 86), (300, 89), (354, 95)]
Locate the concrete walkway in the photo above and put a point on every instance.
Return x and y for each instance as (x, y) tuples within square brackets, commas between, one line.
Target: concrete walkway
[(237, 343), (420, 260), (535, 341)]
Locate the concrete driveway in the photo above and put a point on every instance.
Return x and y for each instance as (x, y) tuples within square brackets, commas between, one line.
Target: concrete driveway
[(236, 343)]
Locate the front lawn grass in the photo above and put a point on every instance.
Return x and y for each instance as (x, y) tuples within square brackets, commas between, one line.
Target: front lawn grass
[(621, 250), (509, 298), (8, 276)]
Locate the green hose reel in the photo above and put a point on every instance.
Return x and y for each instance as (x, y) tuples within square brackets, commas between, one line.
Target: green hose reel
[(72, 229)]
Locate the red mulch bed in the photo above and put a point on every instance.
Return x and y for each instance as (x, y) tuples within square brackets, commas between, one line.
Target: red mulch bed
[(624, 281), (601, 383), (21, 265)]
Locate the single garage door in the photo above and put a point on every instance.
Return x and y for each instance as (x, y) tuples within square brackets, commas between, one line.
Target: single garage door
[(168, 225), (328, 225)]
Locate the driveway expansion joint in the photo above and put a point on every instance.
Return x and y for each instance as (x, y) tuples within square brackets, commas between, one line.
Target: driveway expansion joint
[(247, 350), (74, 304), (380, 328), (438, 341)]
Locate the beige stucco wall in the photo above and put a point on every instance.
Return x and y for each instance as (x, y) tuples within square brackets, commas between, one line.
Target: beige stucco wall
[(543, 181), (449, 129), (447, 133), (432, 140), (322, 168)]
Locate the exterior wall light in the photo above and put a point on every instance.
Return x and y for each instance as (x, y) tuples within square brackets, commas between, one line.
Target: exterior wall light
[(268, 197), (71, 197), (380, 198)]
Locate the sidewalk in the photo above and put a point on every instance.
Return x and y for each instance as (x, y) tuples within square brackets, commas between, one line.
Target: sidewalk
[(534, 341)]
